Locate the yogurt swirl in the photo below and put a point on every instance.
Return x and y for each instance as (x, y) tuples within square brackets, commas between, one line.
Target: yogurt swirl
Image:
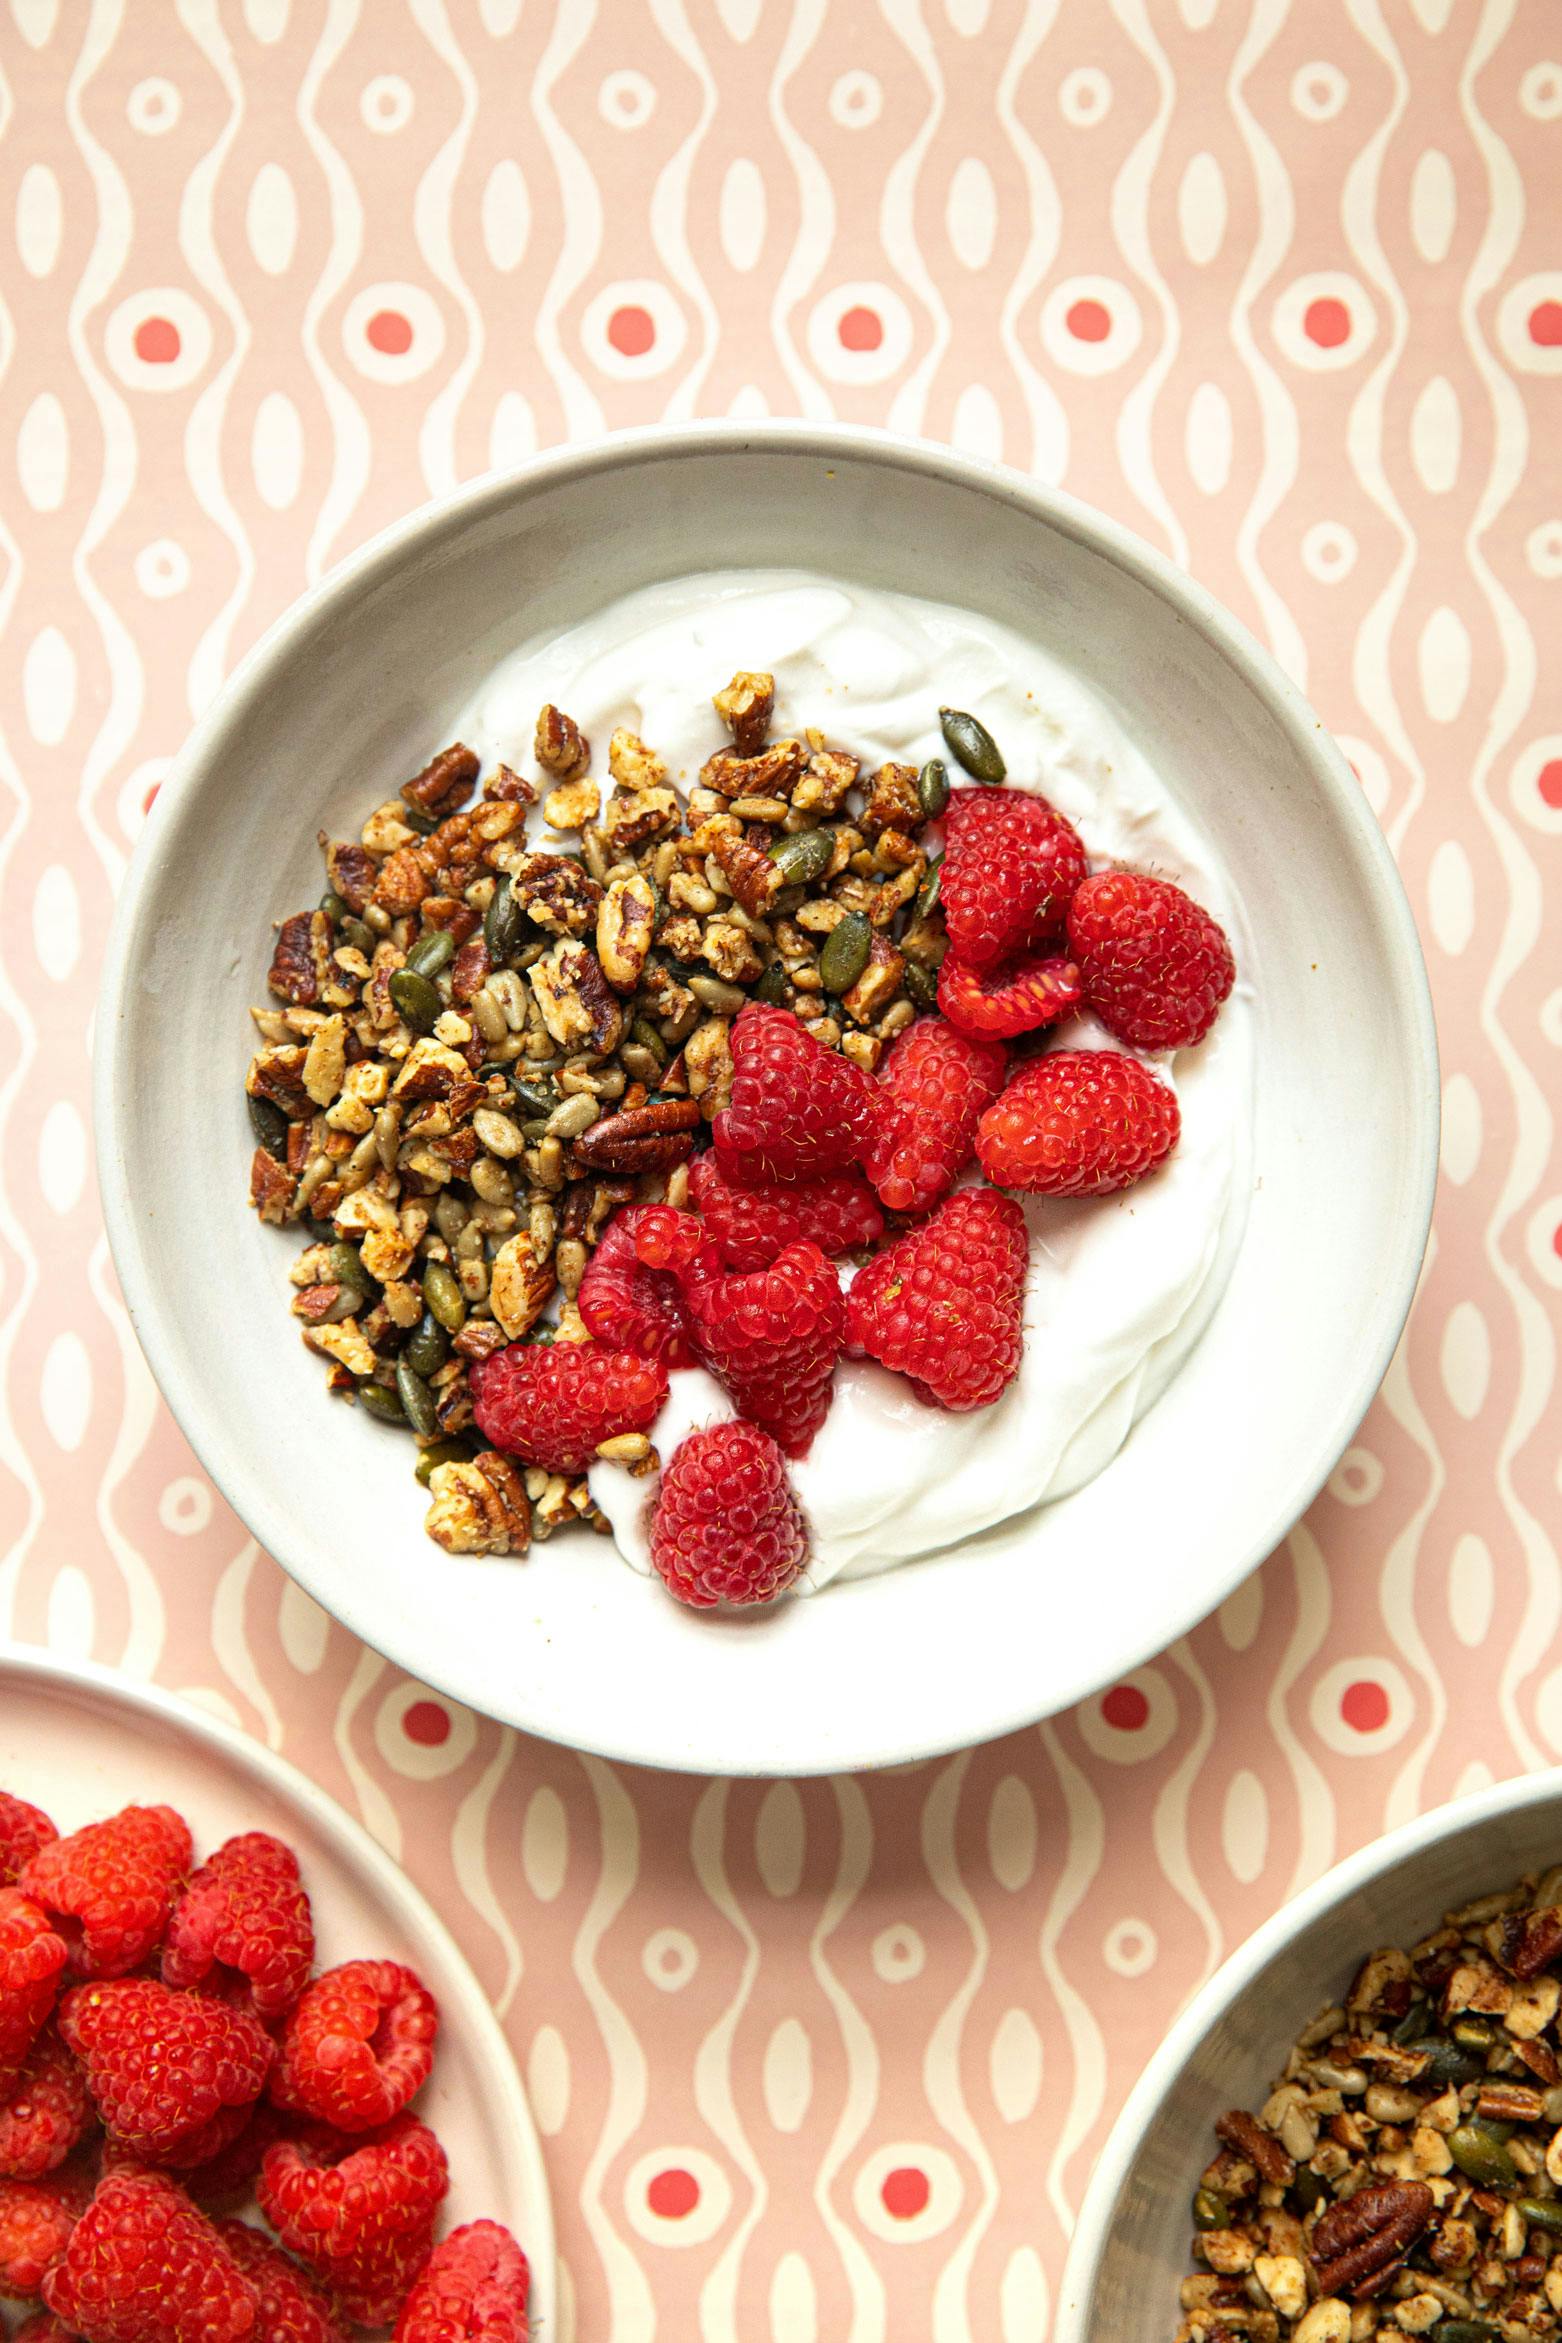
[(1120, 1287)]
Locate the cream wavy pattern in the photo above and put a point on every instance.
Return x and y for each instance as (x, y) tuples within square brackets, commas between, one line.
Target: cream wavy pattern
[(1407, 1634)]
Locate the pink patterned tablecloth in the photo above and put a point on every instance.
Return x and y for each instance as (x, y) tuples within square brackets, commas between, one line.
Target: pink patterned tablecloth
[(1278, 285)]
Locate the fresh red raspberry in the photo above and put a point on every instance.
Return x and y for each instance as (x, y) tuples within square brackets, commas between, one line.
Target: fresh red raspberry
[(31, 1958), (46, 2111), (143, 2266), (750, 1226), (1154, 965), (666, 1238), (43, 2327), (291, 2307), (933, 1087), (162, 2066), (629, 1305), (773, 1338), (473, 2289), (553, 1403), (358, 2046), (36, 2220), (227, 2177), (727, 1527), (110, 1887), (363, 2219), (944, 1303), (798, 1110), (1079, 1122), (23, 1830), (1011, 864), (1020, 997), (245, 1912)]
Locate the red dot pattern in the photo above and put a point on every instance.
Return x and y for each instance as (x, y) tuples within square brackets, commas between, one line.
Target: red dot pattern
[(389, 332), (156, 341), (1364, 1706), (1326, 321), (427, 1724), (1126, 1707), (905, 2193), (1545, 325), (673, 2194), (1088, 321), (1549, 783), (860, 329), (631, 330)]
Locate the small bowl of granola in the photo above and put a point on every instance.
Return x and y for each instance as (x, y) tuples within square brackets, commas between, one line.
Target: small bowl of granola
[(1355, 2129), (776, 1109)]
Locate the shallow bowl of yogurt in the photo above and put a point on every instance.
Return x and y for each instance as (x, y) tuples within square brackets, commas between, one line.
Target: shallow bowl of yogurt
[(1199, 1350)]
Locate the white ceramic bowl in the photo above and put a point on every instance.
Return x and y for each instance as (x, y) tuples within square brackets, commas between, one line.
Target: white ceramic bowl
[(348, 693), (1130, 2246), (79, 1741)]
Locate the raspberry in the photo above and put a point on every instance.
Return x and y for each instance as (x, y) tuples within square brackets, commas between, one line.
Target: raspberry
[(932, 1089), (31, 1958), (1017, 998), (667, 1239), (1080, 1122), (798, 1110), (773, 1337), (245, 1912), (1011, 863), (358, 2046), (36, 2220), (23, 1830), (473, 2290), (46, 2112), (110, 1887), (750, 1226), (727, 1528), (629, 1305), (227, 2176), (554, 1403), (1154, 965), (360, 2213), (42, 2327), (944, 1303), (292, 2308), (143, 2266), (162, 2066)]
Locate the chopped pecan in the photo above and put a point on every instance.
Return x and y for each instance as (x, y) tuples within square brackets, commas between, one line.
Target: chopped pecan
[(445, 783), (1502, 2102), (634, 817), (479, 1506), (479, 835), (301, 958), (878, 984), (1541, 2060), (271, 1187), (1531, 1941), (746, 707), (755, 878), (1474, 1984), (731, 951), (625, 920), (469, 969), (403, 882), (387, 828), (893, 803), (519, 1285), (325, 1061), (352, 871), (278, 1074), (632, 764), (828, 779), (505, 787), (430, 1069), (556, 893), (571, 805), (643, 1139), (579, 1006), (479, 1338), (447, 912), (1247, 2135), (562, 748), (1358, 2244), (771, 773)]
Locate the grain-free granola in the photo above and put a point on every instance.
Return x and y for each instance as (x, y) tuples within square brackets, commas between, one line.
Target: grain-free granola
[(482, 1042), (1405, 2175)]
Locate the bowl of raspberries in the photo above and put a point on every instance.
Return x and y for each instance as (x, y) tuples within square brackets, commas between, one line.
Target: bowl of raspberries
[(210, 2131), (792, 1186)]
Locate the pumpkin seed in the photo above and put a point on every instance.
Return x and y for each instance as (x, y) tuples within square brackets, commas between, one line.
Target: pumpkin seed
[(360, 935), (933, 787), (927, 898), (381, 1402), (418, 818), (269, 1125), (803, 857), (538, 1098), (417, 1400), (1472, 2033), (332, 905), (1210, 2210), (502, 922), (847, 949), (432, 952), (1481, 2156), (536, 1130), (1446, 2063), (344, 1266), (427, 1347), (971, 744), (922, 984), (645, 1033), (1467, 2331), (772, 986), (415, 999), (1543, 2212), (437, 1453), (1308, 2189), (444, 1296), (1410, 2025)]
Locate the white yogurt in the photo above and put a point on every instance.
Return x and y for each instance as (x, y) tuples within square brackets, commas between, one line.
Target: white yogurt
[(1120, 1287)]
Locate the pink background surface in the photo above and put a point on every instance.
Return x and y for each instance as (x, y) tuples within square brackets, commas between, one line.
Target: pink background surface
[(1281, 287)]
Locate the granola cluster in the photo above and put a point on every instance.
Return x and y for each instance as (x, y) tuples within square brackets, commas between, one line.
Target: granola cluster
[(483, 1045), (1405, 2175)]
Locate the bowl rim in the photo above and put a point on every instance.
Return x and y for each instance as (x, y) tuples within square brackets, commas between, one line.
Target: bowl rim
[(1109, 2175), (1408, 993)]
